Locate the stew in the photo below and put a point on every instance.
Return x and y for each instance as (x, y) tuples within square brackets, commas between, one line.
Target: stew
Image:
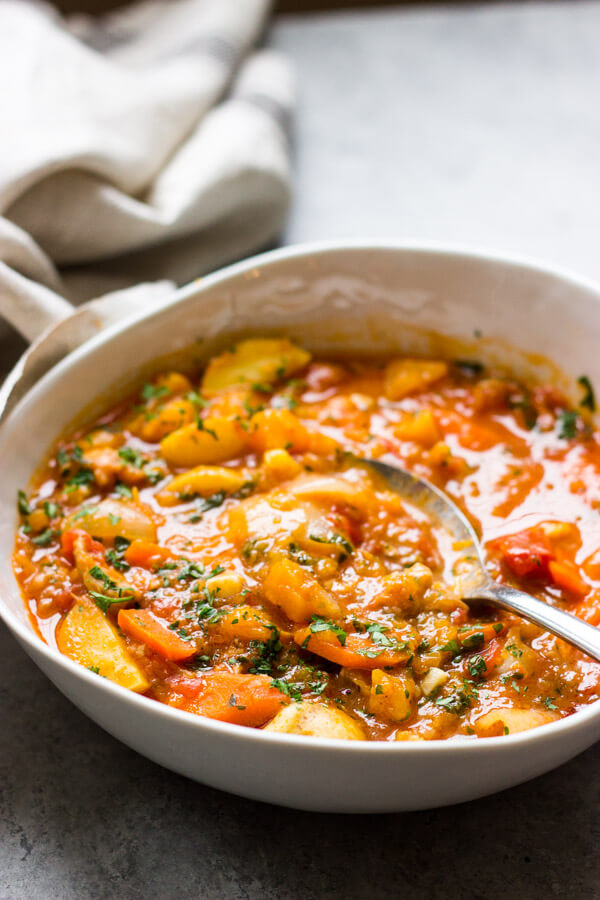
[(212, 543)]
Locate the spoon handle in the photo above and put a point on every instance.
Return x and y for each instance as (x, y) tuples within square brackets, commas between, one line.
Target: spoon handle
[(564, 625)]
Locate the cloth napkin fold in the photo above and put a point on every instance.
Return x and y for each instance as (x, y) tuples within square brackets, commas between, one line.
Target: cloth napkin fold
[(152, 143)]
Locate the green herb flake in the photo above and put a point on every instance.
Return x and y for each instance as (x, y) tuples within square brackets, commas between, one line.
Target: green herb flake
[(22, 504), (131, 457), (153, 391), (45, 538), (477, 667), (319, 624), (589, 398), (567, 424), (334, 538)]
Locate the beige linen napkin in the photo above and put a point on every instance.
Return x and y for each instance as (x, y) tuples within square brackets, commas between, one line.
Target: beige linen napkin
[(149, 144)]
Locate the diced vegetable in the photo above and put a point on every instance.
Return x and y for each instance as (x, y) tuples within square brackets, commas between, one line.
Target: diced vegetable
[(173, 415), (393, 697), (353, 490), (89, 638), (403, 589), (275, 429), (239, 699), (406, 376), (217, 440), (70, 536), (114, 518), (142, 625), (358, 651), (432, 680), (146, 554), (243, 623), (420, 428), (317, 720), (203, 481), (288, 586), (497, 722), (226, 584), (280, 466), (254, 361), (566, 575), (527, 552)]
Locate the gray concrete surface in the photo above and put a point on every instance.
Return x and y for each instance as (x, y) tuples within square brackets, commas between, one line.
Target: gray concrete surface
[(454, 124)]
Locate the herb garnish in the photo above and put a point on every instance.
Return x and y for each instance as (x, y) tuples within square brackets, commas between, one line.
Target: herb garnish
[(24, 508), (589, 399), (207, 503), (319, 624), (131, 457), (45, 538), (115, 555), (154, 391), (567, 422), (335, 538)]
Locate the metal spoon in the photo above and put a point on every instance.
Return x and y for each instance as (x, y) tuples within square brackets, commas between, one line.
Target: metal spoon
[(477, 584)]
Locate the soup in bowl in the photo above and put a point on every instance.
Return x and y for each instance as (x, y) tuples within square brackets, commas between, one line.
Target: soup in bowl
[(201, 550)]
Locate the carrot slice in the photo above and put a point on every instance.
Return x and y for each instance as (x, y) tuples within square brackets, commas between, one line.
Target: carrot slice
[(566, 575), (359, 651), (143, 626), (145, 554), (240, 699), (474, 637)]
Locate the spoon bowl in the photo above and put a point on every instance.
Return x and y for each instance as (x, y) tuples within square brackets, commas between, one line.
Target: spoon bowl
[(476, 584)]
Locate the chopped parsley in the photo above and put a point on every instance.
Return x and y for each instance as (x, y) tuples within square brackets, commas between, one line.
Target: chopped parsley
[(154, 391), (297, 553), (451, 647), (523, 402), (202, 427), (567, 424), (23, 506), (52, 510), (104, 601), (477, 667), (264, 654), (589, 399), (318, 624), (207, 503), (335, 538), (131, 457), (45, 538), (114, 556), (83, 478)]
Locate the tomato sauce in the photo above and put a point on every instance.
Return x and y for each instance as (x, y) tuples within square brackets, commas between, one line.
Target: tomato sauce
[(211, 544)]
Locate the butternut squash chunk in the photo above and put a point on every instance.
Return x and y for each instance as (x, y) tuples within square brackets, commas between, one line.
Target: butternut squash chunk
[(89, 638), (218, 440), (254, 361)]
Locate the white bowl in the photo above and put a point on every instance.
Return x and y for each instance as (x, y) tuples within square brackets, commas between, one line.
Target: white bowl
[(360, 297)]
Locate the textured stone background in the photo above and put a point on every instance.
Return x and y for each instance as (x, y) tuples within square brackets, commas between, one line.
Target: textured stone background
[(477, 125)]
